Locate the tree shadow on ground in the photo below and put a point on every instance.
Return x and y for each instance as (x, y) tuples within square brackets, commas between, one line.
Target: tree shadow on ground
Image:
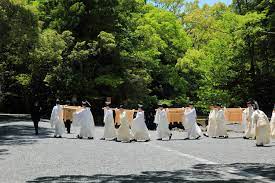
[(21, 134), (6, 118), (3, 152), (198, 173)]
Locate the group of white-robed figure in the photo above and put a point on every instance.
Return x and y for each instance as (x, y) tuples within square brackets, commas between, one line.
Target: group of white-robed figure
[(138, 131), (257, 125), (83, 118)]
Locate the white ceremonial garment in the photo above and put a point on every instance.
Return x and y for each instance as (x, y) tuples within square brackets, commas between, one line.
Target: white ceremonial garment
[(250, 128), (272, 125), (124, 133), (109, 125), (85, 120), (211, 124), (260, 119), (190, 123), (56, 120), (161, 120), (220, 129), (139, 127)]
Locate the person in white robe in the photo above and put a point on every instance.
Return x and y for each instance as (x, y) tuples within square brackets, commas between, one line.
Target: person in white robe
[(109, 125), (190, 123), (139, 128), (56, 120), (161, 120), (260, 120), (247, 115), (85, 120), (124, 133), (220, 129), (272, 124), (211, 122)]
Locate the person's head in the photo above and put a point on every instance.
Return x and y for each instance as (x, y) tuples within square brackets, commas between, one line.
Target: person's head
[(86, 104), (211, 106), (83, 103), (249, 104), (107, 104), (57, 101), (121, 107), (218, 106), (160, 106), (255, 105), (140, 107), (191, 105), (68, 102)]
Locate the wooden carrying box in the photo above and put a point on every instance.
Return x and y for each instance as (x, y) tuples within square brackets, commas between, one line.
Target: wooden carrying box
[(175, 115), (233, 114), (69, 110), (129, 113)]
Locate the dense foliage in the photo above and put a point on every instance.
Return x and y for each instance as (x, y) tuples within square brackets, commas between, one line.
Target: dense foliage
[(136, 51)]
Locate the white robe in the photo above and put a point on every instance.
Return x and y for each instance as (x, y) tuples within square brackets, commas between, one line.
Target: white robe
[(56, 120), (211, 123), (161, 120), (190, 124), (124, 133), (220, 129), (272, 125), (262, 127), (85, 120), (109, 126), (250, 128), (139, 127)]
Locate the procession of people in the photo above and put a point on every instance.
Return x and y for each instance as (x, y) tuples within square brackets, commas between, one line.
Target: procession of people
[(257, 125)]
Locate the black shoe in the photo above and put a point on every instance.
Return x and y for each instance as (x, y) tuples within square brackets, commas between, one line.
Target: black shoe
[(221, 136), (133, 140), (198, 137), (259, 145), (147, 140), (159, 139), (206, 135), (60, 136), (55, 136), (214, 137), (102, 138), (245, 137), (115, 139), (78, 136), (170, 136), (187, 138), (226, 137), (91, 138)]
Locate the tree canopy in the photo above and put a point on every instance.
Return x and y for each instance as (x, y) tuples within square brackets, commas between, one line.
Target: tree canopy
[(137, 51)]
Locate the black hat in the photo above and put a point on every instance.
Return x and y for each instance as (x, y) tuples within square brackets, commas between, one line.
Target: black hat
[(57, 101), (219, 104), (121, 106)]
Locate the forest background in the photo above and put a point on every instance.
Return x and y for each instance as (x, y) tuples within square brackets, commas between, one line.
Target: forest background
[(136, 51)]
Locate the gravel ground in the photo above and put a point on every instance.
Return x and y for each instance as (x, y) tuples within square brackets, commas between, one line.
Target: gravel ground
[(28, 158)]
